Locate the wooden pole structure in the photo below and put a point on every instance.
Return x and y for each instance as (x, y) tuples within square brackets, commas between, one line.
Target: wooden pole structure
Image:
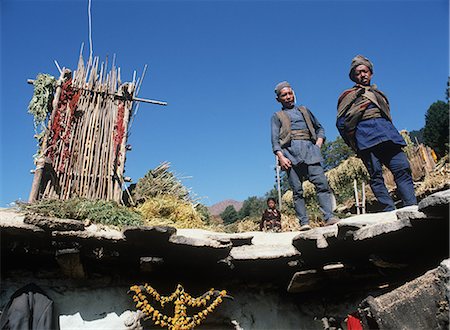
[(37, 179), (355, 188), (363, 198), (41, 161), (277, 169), (81, 152)]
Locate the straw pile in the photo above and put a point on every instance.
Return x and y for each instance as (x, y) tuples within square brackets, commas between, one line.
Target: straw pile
[(171, 211), (160, 181)]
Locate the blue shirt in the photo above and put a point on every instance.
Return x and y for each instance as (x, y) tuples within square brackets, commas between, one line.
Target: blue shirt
[(299, 151), (373, 131)]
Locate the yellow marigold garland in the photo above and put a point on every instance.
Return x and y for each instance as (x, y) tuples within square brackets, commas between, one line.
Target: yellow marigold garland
[(181, 299)]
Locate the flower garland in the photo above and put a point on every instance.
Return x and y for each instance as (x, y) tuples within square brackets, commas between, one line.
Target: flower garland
[(181, 300)]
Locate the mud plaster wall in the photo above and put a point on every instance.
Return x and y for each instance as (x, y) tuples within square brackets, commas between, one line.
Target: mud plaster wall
[(102, 304)]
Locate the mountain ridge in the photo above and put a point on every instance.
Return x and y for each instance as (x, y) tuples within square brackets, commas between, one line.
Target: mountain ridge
[(219, 207)]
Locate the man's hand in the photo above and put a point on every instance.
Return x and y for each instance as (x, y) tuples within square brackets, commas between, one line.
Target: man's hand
[(361, 91), (319, 142), (283, 161)]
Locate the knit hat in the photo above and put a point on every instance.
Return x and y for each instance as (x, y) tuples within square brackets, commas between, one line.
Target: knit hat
[(358, 60), (280, 86)]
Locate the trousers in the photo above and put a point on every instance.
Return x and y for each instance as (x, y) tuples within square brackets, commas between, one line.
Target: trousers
[(392, 156), (316, 175)]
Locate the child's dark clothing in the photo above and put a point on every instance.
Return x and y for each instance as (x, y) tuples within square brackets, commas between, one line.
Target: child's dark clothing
[(271, 220)]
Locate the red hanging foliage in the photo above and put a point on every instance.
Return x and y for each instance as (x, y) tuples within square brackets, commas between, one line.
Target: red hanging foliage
[(63, 120), (119, 130)]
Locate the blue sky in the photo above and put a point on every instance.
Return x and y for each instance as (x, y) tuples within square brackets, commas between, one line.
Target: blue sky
[(216, 64)]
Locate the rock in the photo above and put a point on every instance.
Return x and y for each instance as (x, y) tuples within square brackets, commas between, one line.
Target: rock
[(410, 213), (318, 245), (316, 236), (419, 304), (347, 227), (261, 252), (436, 204), (266, 246), (92, 235), (236, 240), (197, 250), (371, 231), (12, 219), (198, 242), (308, 280), (53, 224), (145, 234), (150, 264)]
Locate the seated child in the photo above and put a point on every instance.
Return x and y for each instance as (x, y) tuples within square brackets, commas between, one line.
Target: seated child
[(271, 218)]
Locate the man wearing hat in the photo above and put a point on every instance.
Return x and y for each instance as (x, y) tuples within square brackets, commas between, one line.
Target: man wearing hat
[(296, 140), (364, 122)]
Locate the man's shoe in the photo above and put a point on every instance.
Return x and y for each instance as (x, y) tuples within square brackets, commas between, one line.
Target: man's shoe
[(305, 227), (332, 221)]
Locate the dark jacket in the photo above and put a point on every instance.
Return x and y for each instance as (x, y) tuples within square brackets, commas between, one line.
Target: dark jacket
[(28, 309)]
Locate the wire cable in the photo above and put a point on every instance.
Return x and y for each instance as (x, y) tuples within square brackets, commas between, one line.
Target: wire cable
[(90, 28)]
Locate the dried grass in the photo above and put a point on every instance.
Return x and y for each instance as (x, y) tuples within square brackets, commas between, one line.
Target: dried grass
[(160, 181), (172, 211), (437, 180)]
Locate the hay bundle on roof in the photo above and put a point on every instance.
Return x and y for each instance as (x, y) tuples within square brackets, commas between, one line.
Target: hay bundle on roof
[(171, 211), (160, 181)]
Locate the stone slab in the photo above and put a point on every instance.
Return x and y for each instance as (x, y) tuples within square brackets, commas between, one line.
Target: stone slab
[(145, 234), (436, 204), (380, 228), (316, 236), (53, 224), (418, 304), (10, 218), (262, 252)]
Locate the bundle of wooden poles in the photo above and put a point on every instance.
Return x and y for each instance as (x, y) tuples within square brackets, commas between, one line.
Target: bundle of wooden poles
[(84, 149)]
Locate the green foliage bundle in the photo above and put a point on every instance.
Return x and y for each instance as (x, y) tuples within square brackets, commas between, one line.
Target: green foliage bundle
[(41, 103), (160, 181), (98, 211), (436, 130)]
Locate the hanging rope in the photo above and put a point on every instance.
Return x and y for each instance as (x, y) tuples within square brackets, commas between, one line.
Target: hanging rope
[(90, 29)]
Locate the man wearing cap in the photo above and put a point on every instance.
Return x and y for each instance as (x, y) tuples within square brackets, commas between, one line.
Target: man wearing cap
[(364, 122), (296, 140)]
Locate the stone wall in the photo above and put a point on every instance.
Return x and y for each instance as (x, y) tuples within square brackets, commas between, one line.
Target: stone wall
[(291, 280)]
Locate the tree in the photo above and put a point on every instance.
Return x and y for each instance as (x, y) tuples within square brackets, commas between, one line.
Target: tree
[(447, 91), (203, 212), (252, 206), (229, 215), (416, 135), (435, 132), (335, 152)]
